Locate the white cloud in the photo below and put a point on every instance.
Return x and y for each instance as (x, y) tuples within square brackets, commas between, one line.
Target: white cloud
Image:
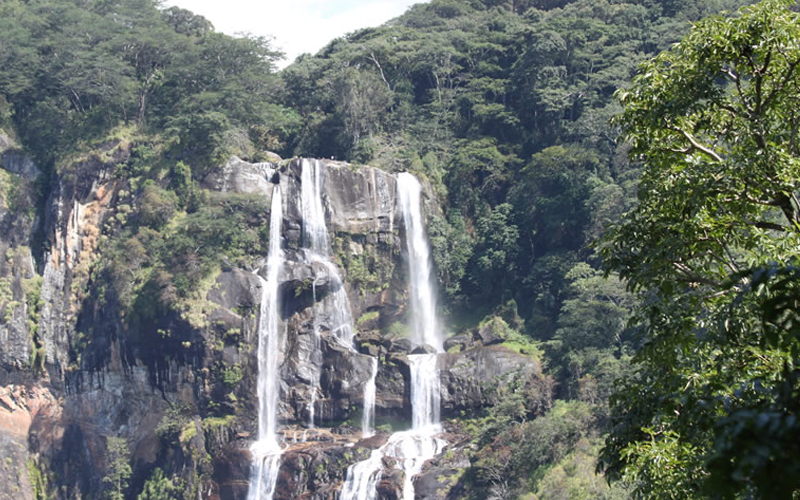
[(298, 26)]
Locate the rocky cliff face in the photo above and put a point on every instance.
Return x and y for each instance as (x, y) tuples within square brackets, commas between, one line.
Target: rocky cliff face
[(18, 281), (81, 201), (181, 391), (22, 406)]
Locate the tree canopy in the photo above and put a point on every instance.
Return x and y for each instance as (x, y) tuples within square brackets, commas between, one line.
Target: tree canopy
[(71, 70), (712, 249)]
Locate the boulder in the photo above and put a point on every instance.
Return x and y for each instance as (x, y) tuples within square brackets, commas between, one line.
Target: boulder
[(369, 343), (398, 344), (424, 349), (236, 289), (302, 282), (477, 377), (457, 343), (492, 332), (272, 157), (390, 487), (369, 349), (441, 477)]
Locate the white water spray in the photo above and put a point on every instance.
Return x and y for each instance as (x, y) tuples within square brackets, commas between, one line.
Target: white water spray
[(362, 478), (425, 395), (267, 451)]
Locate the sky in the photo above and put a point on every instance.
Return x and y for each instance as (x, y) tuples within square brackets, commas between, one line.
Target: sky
[(297, 26)]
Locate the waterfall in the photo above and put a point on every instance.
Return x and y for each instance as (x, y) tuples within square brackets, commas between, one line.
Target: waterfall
[(335, 307), (362, 478), (423, 299), (267, 451), (425, 395), (368, 417), (315, 232), (317, 250), (410, 448)]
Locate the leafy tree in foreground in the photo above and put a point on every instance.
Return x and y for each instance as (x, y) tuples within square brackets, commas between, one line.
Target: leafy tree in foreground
[(712, 248)]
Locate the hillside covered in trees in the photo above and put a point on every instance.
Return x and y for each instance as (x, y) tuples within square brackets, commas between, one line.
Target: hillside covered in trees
[(525, 123)]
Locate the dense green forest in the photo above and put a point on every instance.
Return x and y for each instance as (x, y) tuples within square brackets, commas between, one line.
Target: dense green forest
[(512, 111)]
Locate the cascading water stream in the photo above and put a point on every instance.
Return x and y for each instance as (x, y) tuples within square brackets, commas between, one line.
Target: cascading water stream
[(423, 298), (317, 250), (315, 232), (420, 444), (335, 306), (414, 447), (267, 451), (368, 417)]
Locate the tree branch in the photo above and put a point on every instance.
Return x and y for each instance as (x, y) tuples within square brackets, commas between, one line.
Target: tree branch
[(696, 145), (693, 277), (383, 76), (784, 80), (769, 225), (735, 78)]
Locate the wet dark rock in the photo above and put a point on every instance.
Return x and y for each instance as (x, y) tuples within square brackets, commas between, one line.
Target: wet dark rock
[(342, 375), (236, 289), (302, 283), (390, 487), (369, 343), (316, 469), (369, 349), (232, 472), (441, 477), (393, 390)]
